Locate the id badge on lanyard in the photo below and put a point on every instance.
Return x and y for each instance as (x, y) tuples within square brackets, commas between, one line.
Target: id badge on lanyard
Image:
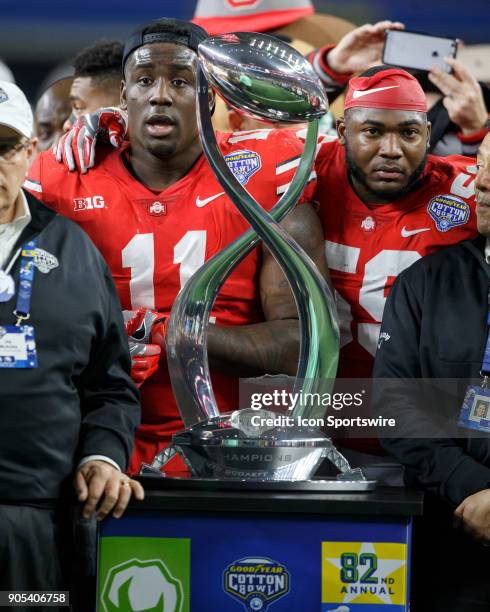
[(475, 412), (17, 342)]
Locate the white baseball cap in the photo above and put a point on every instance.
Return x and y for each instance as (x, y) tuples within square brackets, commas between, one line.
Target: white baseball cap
[(15, 111)]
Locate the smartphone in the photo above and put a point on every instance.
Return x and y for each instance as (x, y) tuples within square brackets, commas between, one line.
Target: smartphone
[(418, 51)]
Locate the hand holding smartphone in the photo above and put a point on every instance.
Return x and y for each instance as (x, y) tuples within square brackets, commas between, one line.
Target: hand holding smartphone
[(418, 51)]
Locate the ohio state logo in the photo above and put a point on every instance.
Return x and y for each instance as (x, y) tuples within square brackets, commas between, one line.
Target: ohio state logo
[(157, 209), (368, 224), (238, 4)]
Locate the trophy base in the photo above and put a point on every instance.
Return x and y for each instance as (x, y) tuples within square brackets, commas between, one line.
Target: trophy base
[(223, 448), (155, 479)]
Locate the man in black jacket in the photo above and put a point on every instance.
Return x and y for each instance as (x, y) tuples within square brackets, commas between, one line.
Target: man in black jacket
[(67, 403), (435, 326)]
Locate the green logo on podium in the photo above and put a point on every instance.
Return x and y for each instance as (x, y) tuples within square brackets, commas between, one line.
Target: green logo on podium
[(144, 575)]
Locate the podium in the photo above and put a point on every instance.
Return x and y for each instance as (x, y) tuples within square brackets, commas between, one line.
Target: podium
[(193, 550)]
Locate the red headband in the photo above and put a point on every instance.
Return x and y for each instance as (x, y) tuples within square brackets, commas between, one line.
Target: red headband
[(391, 88)]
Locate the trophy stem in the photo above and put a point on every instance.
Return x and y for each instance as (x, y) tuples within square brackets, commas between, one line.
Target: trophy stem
[(186, 335), (319, 336)]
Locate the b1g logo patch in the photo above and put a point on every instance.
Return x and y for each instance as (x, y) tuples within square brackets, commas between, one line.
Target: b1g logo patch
[(256, 582), (88, 203), (448, 211), (243, 164)]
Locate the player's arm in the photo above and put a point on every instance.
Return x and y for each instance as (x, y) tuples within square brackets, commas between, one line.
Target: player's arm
[(271, 346), (355, 52)]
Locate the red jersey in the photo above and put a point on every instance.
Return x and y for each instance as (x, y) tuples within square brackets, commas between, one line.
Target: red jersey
[(154, 241), (367, 246)]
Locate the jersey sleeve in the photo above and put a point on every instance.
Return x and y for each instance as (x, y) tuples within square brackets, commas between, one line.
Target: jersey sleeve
[(37, 182), (288, 148), (462, 173)]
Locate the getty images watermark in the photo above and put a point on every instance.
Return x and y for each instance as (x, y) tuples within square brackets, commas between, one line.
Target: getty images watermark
[(282, 401)]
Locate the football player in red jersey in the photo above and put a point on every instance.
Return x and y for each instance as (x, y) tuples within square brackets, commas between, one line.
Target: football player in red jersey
[(397, 203), (156, 213), (384, 203)]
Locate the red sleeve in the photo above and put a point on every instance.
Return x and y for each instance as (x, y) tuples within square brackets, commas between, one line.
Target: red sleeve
[(462, 176), (329, 77), (288, 149), (455, 176), (36, 182)]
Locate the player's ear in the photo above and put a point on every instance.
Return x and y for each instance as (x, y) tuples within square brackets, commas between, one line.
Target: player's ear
[(341, 130), (123, 104), (429, 132), (31, 150)]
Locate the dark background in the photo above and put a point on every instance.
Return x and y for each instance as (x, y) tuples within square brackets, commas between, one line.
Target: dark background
[(35, 35)]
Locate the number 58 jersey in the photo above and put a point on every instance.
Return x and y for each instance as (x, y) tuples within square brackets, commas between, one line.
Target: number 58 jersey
[(367, 246), (154, 241)]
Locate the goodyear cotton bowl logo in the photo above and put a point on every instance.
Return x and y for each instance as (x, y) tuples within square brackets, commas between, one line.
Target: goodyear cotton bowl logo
[(448, 211), (243, 164), (142, 586), (256, 582)]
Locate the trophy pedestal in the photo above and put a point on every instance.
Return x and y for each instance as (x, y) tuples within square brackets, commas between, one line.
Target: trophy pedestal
[(154, 479), (229, 451)]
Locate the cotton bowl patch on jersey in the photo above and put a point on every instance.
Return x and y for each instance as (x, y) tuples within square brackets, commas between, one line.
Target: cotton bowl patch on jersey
[(243, 164), (448, 211)]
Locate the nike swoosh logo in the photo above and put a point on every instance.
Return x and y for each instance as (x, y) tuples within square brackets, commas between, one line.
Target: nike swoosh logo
[(140, 333), (200, 203), (358, 93), (406, 233)]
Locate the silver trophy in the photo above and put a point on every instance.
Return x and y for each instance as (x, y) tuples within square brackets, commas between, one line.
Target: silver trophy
[(263, 76)]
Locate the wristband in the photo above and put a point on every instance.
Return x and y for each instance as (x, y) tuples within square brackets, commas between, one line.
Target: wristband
[(320, 56), (474, 137)]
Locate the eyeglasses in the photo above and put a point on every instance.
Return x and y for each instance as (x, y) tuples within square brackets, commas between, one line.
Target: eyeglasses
[(9, 150)]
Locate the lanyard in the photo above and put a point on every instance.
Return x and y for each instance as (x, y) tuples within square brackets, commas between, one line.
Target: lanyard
[(26, 278)]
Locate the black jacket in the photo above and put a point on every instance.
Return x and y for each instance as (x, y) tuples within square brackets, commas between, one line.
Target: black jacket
[(435, 327), (80, 400)]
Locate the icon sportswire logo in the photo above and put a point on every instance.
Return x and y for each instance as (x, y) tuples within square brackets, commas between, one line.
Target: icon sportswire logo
[(200, 203), (359, 93), (406, 233)]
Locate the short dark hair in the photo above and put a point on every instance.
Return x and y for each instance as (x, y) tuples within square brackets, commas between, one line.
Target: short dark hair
[(101, 61), (165, 30)]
